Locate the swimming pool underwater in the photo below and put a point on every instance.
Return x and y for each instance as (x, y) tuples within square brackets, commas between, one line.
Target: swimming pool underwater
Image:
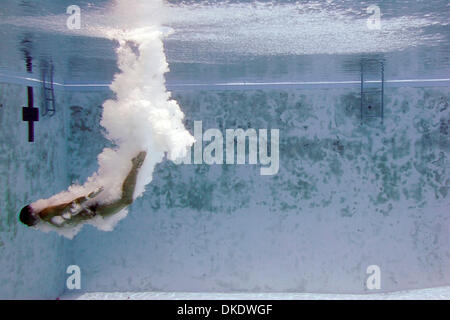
[(351, 191)]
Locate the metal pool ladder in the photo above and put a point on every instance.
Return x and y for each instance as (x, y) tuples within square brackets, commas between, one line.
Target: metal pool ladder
[(372, 91), (48, 90)]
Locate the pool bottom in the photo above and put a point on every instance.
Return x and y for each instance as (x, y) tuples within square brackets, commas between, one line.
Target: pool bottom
[(439, 293)]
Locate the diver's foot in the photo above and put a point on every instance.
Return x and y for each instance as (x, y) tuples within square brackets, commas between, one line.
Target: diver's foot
[(139, 159)]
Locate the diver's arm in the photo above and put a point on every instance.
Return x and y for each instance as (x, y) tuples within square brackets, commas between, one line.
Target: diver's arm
[(76, 206), (60, 214)]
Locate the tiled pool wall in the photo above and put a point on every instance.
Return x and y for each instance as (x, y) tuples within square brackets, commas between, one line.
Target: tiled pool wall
[(32, 263), (346, 196)]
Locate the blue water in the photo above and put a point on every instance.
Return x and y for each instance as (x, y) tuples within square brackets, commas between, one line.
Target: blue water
[(346, 196)]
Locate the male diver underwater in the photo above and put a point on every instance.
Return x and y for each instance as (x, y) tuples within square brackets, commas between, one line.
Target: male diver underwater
[(71, 214)]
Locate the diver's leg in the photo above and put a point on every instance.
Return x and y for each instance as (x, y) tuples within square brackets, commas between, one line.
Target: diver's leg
[(128, 187), (129, 183)]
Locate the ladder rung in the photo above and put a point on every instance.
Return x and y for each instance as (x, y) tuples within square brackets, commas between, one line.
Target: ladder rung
[(48, 91)]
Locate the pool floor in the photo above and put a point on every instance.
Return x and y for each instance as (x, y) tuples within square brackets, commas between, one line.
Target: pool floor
[(439, 293)]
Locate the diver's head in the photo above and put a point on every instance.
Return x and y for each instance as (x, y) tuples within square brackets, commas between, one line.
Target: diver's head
[(28, 217)]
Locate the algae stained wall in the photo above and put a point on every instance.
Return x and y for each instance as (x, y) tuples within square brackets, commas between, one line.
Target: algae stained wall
[(33, 263), (345, 197)]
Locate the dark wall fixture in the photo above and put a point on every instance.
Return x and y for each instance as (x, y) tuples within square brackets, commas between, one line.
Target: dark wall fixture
[(30, 114)]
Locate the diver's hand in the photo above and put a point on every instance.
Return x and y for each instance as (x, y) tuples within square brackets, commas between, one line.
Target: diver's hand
[(88, 213)]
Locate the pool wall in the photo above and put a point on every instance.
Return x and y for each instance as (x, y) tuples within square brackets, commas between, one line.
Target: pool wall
[(346, 197), (33, 264)]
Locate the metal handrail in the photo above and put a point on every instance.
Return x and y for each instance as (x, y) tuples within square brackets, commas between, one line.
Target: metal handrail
[(48, 91)]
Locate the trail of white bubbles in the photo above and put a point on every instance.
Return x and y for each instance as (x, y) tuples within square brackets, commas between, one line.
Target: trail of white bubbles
[(141, 117)]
